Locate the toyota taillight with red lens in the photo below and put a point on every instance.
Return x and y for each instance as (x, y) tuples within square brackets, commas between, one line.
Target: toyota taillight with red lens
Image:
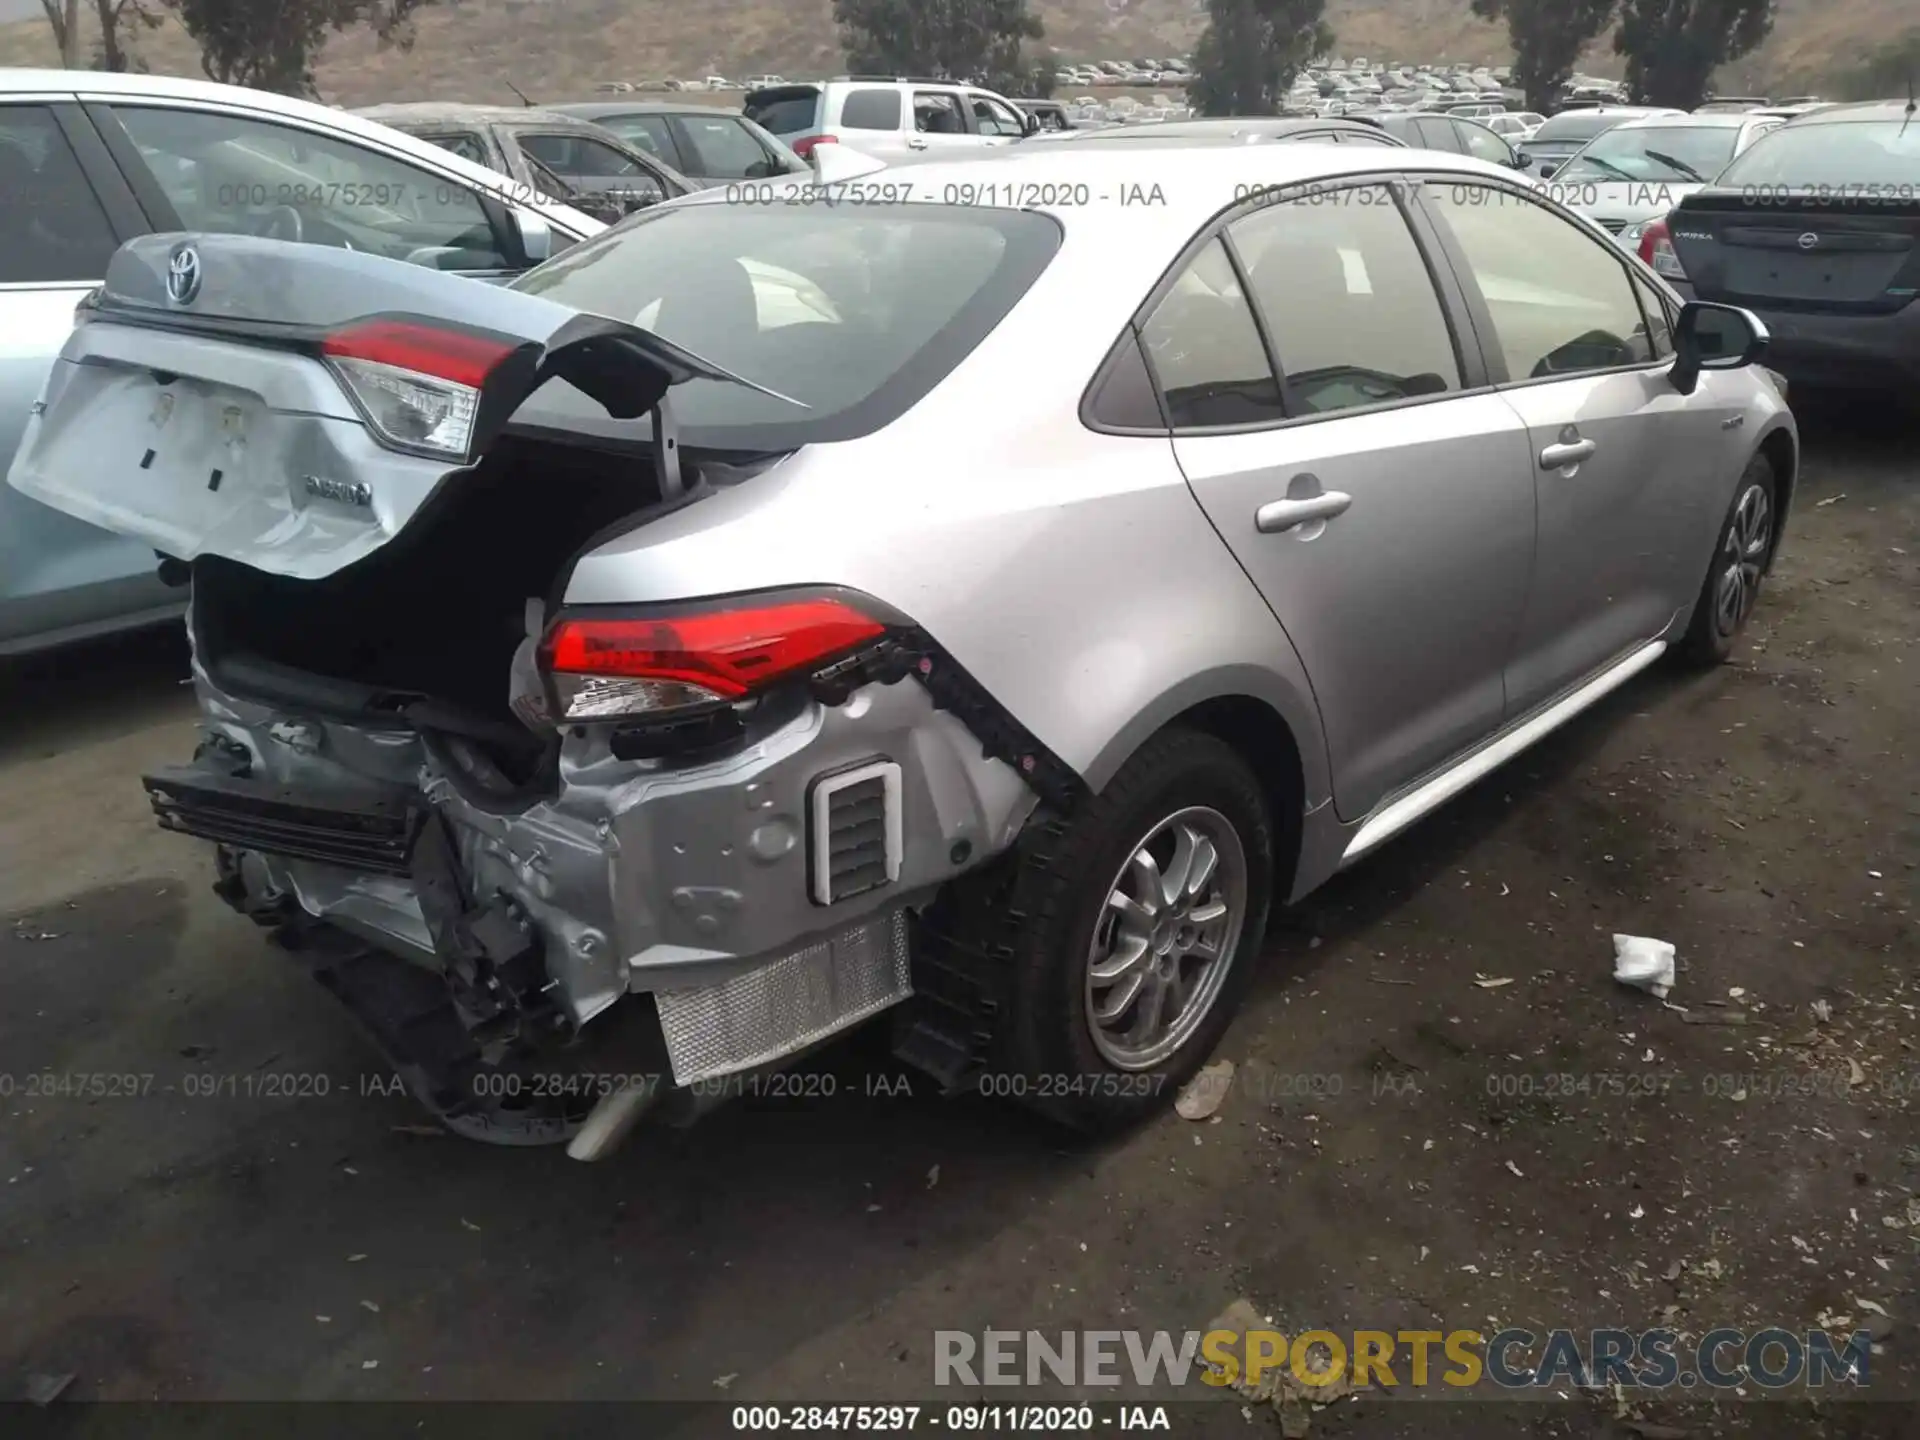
[(417, 385), (1656, 248), (804, 146), (632, 667)]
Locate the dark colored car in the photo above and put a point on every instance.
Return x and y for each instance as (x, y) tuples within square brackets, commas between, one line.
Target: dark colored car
[(1241, 129), (1567, 133), (708, 145), (1454, 134), (1816, 229), (561, 157)]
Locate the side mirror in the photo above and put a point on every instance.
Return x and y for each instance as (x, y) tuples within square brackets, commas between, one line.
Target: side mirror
[(1029, 124), (536, 236), (1546, 171), (1714, 337), (1522, 159)]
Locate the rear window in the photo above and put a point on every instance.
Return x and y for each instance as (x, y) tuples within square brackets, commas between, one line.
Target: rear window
[(870, 110), (1884, 154), (854, 311), (1575, 127), (784, 112)]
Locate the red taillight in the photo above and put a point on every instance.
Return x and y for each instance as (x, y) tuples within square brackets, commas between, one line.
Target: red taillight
[(628, 666), (453, 355), (418, 385), (804, 146), (1656, 248)]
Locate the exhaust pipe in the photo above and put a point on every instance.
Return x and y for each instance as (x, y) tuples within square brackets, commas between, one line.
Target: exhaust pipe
[(610, 1122)]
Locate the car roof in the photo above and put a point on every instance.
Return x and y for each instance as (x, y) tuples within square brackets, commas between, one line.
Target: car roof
[(1864, 110), (1616, 114), (1709, 120), (1227, 127), (594, 109), (447, 112), (1195, 180)]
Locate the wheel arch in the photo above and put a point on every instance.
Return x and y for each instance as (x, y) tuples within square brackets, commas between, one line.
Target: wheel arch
[(1782, 452), (1270, 726)]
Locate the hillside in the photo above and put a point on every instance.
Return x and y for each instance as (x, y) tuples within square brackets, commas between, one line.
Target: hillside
[(558, 49)]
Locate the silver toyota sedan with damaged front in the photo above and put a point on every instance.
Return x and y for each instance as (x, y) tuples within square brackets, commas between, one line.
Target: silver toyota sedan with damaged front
[(977, 593)]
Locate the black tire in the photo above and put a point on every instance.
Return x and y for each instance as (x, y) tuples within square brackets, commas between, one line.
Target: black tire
[(1057, 886), (1718, 617)]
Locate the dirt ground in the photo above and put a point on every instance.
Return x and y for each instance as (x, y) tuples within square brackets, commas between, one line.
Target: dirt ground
[(1405, 1146)]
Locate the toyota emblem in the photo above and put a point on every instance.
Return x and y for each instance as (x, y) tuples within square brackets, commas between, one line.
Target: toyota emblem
[(183, 275), (1809, 240)]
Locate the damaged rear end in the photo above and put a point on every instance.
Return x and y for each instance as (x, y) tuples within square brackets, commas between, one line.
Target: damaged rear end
[(482, 817)]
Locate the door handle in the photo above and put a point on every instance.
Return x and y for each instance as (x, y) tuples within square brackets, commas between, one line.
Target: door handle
[(1572, 452), (1277, 516), (916, 144)]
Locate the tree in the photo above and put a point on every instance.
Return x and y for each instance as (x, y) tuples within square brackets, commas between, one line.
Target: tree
[(1672, 47), (274, 44), (1246, 58), (1891, 69), (948, 39), (118, 20), (64, 18), (1547, 37)]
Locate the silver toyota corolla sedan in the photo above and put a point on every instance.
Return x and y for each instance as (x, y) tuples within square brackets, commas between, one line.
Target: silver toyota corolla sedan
[(977, 593)]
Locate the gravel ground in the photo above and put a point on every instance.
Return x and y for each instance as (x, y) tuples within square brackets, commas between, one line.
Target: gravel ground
[(1446, 1114)]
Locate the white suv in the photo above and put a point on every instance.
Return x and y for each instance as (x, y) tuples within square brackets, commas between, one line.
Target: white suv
[(889, 117)]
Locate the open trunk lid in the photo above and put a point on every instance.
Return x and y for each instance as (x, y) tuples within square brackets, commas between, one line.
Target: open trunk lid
[(202, 403), (1843, 255)]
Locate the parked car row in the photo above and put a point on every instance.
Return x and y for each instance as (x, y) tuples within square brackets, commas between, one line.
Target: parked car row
[(585, 695)]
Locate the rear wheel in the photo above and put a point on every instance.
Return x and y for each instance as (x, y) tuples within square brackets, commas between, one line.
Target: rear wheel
[(1140, 920), (1741, 557)]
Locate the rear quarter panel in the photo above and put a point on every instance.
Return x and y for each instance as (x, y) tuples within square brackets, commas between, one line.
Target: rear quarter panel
[(1072, 573)]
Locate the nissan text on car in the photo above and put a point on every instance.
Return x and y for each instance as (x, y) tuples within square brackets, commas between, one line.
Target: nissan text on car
[(758, 618)]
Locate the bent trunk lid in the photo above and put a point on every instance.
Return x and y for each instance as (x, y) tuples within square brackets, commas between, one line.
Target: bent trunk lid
[(192, 410)]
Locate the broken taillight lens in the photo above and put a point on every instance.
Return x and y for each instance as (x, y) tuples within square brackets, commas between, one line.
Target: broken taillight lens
[(629, 666), (417, 386)]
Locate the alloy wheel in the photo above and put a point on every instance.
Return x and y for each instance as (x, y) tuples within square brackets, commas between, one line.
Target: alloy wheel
[(1166, 938), (1743, 558)]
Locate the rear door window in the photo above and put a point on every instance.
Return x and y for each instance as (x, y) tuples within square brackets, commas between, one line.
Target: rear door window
[(1436, 133), (1205, 348), (52, 226), (236, 176)]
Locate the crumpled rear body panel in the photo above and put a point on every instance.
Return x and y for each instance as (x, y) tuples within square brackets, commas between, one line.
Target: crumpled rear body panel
[(640, 878)]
